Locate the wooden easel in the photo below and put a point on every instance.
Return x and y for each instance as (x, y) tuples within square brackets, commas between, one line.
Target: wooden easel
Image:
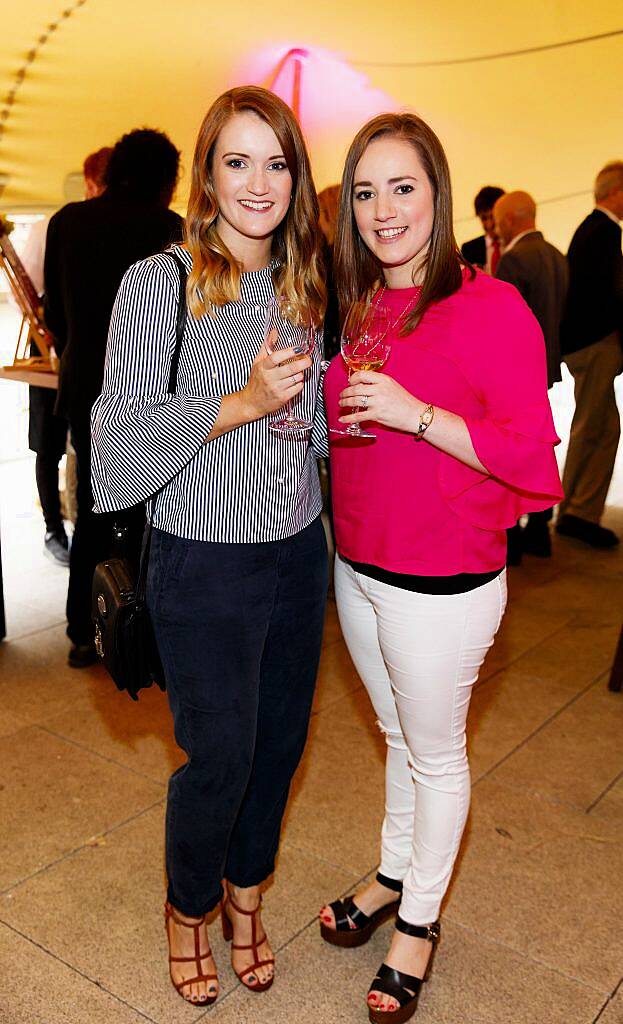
[(38, 369)]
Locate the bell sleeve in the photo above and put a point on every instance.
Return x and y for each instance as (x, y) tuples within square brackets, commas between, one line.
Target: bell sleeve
[(320, 429), (142, 436), (514, 436)]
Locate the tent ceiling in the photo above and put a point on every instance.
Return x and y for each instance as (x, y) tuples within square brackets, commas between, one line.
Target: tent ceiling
[(543, 121)]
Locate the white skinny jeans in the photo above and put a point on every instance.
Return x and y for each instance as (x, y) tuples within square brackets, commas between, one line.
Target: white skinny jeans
[(419, 656)]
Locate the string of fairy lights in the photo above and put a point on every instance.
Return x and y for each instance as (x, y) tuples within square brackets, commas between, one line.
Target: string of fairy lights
[(29, 59), (20, 75), (481, 58)]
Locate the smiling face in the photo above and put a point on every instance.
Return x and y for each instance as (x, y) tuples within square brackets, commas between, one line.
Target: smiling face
[(252, 183), (393, 204)]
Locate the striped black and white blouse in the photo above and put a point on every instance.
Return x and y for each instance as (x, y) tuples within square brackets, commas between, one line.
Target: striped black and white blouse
[(245, 486)]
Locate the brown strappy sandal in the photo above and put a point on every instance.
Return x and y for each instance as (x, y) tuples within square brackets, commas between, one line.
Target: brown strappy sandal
[(228, 935), (169, 912)]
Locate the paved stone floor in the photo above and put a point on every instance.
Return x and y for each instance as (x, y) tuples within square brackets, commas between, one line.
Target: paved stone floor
[(532, 924)]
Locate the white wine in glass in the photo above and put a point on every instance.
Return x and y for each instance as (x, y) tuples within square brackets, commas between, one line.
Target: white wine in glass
[(365, 346)]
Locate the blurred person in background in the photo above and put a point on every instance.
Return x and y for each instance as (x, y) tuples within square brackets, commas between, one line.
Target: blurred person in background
[(591, 336), (328, 202), (47, 433), (484, 251), (540, 274), (89, 248)]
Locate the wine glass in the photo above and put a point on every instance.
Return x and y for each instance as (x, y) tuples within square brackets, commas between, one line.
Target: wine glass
[(288, 327), (365, 346)]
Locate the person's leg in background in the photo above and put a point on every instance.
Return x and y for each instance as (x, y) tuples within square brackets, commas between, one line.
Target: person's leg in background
[(91, 544), (535, 538), (56, 542), (514, 545), (47, 436), (593, 443)]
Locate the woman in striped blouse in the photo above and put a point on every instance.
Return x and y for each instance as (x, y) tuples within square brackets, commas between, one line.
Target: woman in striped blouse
[(238, 569)]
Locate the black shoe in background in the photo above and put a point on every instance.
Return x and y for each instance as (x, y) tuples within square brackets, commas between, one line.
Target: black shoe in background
[(56, 546), (514, 545), (536, 539), (81, 656), (591, 533)]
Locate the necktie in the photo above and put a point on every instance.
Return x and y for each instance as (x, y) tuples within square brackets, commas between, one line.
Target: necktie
[(495, 256)]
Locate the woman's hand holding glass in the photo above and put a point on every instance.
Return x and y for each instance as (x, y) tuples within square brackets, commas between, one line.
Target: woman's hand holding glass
[(286, 325), (387, 402), (275, 379), (365, 346)]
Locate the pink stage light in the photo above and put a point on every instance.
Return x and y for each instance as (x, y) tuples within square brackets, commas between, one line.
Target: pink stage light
[(325, 92)]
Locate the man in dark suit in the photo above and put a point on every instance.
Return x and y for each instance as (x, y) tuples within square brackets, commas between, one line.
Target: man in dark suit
[(484, 252), (540, 273), (591, 338), (89, 247), (47, 432)]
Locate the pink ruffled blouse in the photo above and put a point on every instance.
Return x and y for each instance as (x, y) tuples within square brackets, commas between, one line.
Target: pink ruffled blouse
[(408, 507)]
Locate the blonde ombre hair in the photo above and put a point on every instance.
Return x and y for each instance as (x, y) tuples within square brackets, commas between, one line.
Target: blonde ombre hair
[(215, 276)]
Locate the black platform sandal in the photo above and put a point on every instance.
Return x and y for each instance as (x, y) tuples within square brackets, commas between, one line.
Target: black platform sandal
[(346, 910), (404, 988)]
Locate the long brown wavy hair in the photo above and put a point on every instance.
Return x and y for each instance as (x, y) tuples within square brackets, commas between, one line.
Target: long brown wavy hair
[(357, 271), (215, 276)]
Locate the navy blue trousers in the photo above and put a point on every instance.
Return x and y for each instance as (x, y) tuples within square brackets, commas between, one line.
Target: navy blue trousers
[(239, 630)]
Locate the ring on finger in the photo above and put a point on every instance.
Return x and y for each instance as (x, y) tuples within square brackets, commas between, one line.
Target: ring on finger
[(364, 401)]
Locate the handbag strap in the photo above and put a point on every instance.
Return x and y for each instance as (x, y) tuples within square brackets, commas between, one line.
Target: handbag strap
[(180, 327), (180, 324)]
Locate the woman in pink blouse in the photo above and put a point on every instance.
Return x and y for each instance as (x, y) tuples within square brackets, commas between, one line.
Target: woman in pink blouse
[(464, 446)]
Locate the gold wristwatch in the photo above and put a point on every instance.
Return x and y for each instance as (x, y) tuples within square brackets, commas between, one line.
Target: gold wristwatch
[(425, 421)]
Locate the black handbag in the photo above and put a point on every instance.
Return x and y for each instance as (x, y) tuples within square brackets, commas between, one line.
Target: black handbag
[(124, 636)]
